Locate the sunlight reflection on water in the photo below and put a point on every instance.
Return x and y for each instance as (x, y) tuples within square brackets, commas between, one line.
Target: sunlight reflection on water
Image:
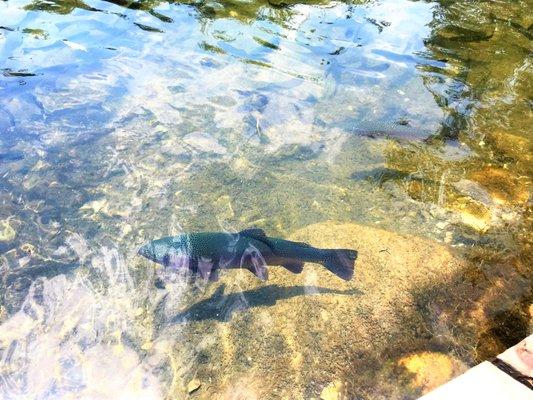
[(125, 122)]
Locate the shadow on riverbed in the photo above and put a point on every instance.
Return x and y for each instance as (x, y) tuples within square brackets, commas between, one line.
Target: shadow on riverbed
[(221, 306)]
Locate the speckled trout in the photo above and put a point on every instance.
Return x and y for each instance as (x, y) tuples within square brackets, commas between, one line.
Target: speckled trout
[(206, 253)]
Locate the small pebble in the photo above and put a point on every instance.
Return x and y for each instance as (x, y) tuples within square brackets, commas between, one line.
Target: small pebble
[(193, 385), (7, 233)]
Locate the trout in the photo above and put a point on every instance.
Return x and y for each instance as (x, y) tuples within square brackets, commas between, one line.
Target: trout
[(206, 253)]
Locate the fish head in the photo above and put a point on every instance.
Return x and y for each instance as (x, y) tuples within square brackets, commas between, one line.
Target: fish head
[(157, 251), (170, 252), (148, 251)]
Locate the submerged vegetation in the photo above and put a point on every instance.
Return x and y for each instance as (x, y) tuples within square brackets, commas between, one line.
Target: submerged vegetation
[(401, 129)]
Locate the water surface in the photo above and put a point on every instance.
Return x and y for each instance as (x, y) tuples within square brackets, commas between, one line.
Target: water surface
[(126, 121)]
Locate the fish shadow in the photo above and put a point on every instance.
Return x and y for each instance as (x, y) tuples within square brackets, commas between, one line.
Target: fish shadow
[(221, 307)]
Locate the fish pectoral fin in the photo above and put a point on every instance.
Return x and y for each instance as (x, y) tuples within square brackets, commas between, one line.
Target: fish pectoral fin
[(253, 261), (295, 267), (259, 270), (205, 267), (253, 232)]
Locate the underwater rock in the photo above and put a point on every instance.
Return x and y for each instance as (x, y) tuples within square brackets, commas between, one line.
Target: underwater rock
[(131, 379), (514, 146), (7, 233), (3, 313), (293, 133), (474, 199), (36, 33), (333, 391), (502, 310), (28, 248), (431, 369), (224, 209), (473, 190), (204, 143), (503, 185), (314, 327), (471, 204), (193, 386), (242, 167), (104, 207), (471, 213), (459, 33)]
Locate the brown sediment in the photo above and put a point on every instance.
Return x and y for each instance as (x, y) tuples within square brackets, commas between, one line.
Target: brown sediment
[(510, 145), (482, 195), (431, 369), (503, 185)]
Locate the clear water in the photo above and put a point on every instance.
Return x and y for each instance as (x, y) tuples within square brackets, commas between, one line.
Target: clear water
[(122, 122)]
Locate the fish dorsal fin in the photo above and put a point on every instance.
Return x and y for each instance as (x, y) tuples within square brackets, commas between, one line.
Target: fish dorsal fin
[(302, 244), (254, 232), (257, 234)]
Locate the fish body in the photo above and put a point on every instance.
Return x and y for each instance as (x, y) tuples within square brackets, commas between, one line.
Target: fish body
[(206, 253), (396, 130)]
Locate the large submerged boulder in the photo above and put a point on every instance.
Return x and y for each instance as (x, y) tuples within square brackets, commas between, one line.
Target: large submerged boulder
[(299, 335)]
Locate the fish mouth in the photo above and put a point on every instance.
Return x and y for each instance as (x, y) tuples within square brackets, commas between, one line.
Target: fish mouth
[(146, 251)]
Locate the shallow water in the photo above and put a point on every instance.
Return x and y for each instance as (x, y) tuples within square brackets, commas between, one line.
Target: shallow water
[(125, 121)]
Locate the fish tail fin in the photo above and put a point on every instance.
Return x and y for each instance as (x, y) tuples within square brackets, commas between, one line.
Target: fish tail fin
[(341, 262)]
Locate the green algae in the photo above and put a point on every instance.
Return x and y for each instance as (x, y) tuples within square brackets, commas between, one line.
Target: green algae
[(7, 233), (36, 33), (58, 6)]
